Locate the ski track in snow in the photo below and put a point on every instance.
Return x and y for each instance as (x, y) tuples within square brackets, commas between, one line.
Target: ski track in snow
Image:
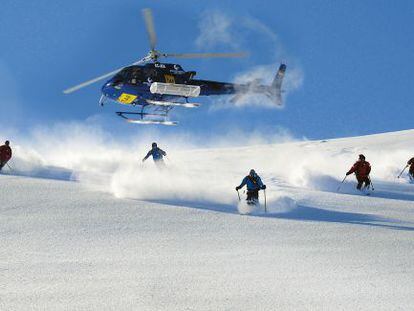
[(117, 235)]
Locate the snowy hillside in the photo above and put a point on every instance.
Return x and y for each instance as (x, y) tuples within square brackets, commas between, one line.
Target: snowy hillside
[(87, 227)]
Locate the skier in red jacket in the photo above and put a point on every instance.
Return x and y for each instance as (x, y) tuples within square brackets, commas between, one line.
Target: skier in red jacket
[(5, 154), (361, 168)]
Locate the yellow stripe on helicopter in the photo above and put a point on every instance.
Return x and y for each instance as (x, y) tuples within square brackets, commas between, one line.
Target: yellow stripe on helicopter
[(126, 98)]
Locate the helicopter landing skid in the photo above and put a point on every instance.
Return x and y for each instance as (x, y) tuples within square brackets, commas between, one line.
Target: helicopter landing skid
[(160, 122)]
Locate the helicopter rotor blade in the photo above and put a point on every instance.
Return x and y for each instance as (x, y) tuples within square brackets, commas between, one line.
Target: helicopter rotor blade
[(204, 55), (149, 24), (89, 82)]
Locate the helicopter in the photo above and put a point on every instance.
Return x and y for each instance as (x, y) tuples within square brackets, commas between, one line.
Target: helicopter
[(155, 88)]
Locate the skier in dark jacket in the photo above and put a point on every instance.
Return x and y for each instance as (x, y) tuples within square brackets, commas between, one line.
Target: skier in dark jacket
[(254, 184), (361, 168), (157, 154), (5, 154), (410, 163)]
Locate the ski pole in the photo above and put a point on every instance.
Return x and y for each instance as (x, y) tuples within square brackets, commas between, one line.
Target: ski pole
[(9, 166), (238, 194), (370, 181), (343, 180), (402, 171), (264, 190)]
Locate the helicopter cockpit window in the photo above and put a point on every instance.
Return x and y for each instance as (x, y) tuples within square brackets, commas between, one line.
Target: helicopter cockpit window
[(150, 73), (120, 77), (134, 75)]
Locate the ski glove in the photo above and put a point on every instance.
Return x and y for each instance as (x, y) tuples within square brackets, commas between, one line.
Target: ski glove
[(349, 173), (264, 187), (237, 188)]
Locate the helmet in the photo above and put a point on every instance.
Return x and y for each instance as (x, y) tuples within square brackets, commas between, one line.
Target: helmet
[(7, 143), (154, 145), (252, 172), (361, 157)]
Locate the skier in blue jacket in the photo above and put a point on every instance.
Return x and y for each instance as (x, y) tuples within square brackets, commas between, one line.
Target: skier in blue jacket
[(254, 184), (157, 154)]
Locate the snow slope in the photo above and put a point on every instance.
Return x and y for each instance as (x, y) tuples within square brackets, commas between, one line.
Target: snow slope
[(117, 235)]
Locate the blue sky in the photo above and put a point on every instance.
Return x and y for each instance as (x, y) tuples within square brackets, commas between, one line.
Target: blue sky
[(352, 60)]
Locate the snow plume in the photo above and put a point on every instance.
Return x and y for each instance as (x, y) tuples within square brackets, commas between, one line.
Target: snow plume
[(265, 75), (219, 30), (87, 153), (321, 165)]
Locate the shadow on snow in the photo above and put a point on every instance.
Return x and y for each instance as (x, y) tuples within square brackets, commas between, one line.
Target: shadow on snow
[(383, 189), (48, 172), (300, 213), (307, 213)]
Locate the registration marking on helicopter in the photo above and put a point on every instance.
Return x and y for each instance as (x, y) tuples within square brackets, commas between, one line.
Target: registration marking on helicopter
[(126, 98)]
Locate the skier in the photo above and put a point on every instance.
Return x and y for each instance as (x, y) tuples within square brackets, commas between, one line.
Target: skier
[(254, 184), (5, 154), (157, 155), (410, 163), (361, 168)]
